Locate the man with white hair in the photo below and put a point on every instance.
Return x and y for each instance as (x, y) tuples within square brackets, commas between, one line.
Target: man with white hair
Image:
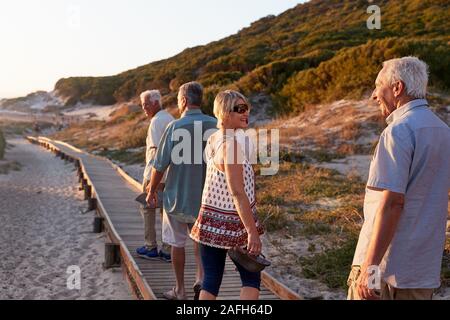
[(399, 251), (160, 118)]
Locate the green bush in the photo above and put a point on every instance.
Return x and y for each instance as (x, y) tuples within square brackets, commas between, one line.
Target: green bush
[(352, 72)]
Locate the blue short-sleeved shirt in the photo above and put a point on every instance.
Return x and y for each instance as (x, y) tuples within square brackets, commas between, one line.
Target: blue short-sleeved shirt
[(180, 151), (412, 158)]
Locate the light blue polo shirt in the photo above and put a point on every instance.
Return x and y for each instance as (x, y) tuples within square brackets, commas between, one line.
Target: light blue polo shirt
[(180, 151), (412, 158)]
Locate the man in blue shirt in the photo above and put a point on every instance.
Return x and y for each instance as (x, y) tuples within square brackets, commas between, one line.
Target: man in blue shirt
[(181, 153)]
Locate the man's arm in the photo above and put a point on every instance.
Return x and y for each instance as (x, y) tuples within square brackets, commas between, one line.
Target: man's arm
[(155, 179), (160, 164), (386, 220)]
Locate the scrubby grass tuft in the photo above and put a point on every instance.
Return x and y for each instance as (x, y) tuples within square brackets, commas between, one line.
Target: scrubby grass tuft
[(332, 266), (124, 156), (302, 184), (272, 217)]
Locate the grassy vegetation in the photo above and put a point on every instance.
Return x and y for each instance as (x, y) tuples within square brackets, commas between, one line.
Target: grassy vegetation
[(318, 51), (332, 266), (124, 156), (302, 184), (2, 145), (6, 167), (445, 274), (134, 138), (14, 128), (291, 202), (351, 72)]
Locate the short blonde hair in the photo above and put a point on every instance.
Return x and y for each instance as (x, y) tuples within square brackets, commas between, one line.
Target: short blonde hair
[(224, 103)]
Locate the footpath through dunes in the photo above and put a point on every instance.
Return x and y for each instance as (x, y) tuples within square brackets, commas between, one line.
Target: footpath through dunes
[(111, 192), (44, 230)]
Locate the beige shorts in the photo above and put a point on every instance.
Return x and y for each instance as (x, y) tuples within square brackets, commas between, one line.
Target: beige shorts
[(387, 292), (175, 232)]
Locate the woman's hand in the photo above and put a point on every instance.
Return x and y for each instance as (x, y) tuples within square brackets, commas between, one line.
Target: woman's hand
[(254, 244)]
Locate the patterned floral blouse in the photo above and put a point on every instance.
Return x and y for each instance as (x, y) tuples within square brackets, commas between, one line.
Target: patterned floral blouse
[(218, 223)]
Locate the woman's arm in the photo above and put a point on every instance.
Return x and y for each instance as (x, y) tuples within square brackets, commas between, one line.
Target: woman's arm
[(235, 181)]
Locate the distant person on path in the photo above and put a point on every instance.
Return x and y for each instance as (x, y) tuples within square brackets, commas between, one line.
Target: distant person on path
[(160, 118), (399, 252), (181, 153), (227, 217)]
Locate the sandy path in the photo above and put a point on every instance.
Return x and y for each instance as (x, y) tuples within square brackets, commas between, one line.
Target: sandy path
[(43, 231)]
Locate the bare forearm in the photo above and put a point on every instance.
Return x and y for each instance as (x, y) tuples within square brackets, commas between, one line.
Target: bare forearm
[(245, 212), (385, 225), (154, 180)]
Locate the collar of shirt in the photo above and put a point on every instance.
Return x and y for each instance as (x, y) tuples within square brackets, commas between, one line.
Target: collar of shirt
[(400, 112), (191, 112), (161, 110)]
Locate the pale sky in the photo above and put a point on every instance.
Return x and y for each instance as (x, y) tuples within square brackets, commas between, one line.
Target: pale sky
[(43, 41)]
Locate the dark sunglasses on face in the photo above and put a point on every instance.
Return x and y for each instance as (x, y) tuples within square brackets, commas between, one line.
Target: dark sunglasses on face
[(241, 108)]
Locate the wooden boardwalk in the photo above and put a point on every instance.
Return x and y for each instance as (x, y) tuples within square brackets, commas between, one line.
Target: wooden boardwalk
[(111, 192)]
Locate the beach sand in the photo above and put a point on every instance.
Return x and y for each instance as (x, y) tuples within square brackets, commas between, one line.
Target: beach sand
[(44, 230)]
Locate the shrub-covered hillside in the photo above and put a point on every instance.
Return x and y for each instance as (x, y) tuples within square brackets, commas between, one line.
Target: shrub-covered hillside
[(316, 52)]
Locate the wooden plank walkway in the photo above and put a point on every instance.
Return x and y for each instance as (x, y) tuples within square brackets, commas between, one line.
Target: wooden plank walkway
[(111, 192)]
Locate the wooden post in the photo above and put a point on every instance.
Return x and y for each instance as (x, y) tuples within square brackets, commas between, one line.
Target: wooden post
[(98, 225), (87, 191), (83, 183), (80, 175), (112, 255), (92, 204)]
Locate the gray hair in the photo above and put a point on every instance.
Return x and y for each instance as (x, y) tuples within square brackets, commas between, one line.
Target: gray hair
[(411, 71), (151, 96), (193, 91)]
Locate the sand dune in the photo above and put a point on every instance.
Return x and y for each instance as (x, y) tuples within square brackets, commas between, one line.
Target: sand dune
[(43, 231)]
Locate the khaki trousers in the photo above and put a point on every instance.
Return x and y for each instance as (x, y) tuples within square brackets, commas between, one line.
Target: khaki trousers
[(387, 292), (149, 216)]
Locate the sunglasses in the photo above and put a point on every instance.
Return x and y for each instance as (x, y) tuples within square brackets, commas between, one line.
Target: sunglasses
[(241, 108)]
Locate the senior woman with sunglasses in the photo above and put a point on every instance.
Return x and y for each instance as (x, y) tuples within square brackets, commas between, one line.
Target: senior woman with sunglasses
[(227, 217)]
